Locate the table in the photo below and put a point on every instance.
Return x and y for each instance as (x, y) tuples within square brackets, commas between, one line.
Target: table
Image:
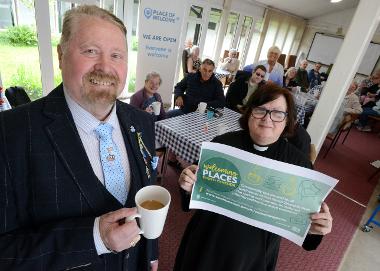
[(305, 104), (184, 134), (219, 73)]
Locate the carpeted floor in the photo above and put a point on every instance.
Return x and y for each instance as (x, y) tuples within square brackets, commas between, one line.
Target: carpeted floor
[(349, 163)]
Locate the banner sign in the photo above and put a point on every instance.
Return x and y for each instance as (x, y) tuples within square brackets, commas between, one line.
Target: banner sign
[(159, 29), (268, 194)]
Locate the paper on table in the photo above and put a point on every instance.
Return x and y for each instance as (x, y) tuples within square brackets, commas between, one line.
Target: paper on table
[(268, 194)]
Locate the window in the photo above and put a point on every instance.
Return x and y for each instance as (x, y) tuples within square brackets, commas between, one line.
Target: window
[(20, 64), (246, 28), (254, 42), (233, 19), (214, 20), (284, 31), (196, 12)]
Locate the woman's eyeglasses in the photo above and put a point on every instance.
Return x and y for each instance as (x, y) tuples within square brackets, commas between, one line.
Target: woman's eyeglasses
[(261, 75), (275, 115)]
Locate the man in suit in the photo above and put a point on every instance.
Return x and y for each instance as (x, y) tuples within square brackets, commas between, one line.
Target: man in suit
[(57, 211)]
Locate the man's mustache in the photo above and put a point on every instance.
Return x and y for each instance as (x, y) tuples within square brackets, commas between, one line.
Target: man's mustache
[(102, 77)]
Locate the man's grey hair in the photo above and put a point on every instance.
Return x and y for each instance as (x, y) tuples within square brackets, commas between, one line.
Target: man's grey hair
[(72, 17), (152, 75), (274, 49)]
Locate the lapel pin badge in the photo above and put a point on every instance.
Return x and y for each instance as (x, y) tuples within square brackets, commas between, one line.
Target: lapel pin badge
[(132, 129)]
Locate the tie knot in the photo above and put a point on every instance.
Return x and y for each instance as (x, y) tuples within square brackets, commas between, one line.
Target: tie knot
[(104, 130)]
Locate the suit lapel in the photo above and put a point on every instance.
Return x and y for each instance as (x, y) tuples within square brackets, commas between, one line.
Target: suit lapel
[(68, 145)]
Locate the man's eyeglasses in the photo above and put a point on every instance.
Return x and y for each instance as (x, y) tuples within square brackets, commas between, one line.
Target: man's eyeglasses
[(261, 75), (275, 115)]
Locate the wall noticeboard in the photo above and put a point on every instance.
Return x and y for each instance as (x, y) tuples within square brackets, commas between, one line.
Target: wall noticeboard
[(325, 48)]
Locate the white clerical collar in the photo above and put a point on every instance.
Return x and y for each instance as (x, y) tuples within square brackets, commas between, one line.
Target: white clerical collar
[(260, 148)]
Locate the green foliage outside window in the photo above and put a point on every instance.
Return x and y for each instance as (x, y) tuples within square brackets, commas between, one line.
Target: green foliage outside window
[(21, 35)]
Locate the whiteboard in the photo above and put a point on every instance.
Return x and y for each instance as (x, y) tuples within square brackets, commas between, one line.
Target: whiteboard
[(325, 48)]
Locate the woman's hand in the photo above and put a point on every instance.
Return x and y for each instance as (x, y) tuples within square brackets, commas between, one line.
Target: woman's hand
[(187, 178), (321, 223)]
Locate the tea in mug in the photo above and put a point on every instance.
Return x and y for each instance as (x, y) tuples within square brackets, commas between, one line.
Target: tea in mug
[(152, 205)]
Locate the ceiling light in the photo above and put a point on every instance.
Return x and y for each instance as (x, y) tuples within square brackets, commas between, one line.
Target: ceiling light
[(335, 1)]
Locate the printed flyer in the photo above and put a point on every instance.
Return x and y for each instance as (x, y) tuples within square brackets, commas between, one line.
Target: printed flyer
[(268, 194)]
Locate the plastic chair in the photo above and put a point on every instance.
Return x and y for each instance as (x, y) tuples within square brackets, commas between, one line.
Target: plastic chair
[(345, 126), (17, 96)]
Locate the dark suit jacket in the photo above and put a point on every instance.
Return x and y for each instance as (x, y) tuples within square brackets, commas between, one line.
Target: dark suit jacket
[(50, 196), (237, 91)]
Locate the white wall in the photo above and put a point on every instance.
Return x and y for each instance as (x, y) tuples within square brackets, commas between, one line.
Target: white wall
[(335, 23)]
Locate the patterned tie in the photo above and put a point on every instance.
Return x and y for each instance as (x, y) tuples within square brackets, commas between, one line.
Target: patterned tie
[(114, 177)]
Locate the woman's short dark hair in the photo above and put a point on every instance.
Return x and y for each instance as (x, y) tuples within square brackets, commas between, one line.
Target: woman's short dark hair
[(265, 94), (261, 67)]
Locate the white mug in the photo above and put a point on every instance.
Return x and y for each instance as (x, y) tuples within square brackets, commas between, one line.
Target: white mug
[(202, 107), (152, 221), (156, 106)]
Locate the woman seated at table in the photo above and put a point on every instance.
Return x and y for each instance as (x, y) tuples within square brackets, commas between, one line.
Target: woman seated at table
[(289, 78), (350, 105), (231, 63), (215, 242), (239, 91), (193, 61), (145, 97)]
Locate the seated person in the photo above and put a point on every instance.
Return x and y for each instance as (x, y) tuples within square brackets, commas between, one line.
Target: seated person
[(231, 63), (314, 75), (212, 237), (302, 77), (201, 86), (289, 81), (275, 71), (370, 84), (144, 98), (193, 61), (239, 91), (350, 105), (363, 118), (369, 91)]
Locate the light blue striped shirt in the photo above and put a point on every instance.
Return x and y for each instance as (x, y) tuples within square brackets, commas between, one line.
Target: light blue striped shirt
[(86, 123)]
